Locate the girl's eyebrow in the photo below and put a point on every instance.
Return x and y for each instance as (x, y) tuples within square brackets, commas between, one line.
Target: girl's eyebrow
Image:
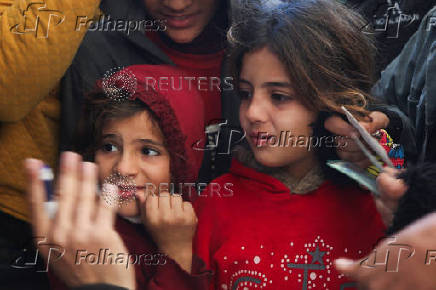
[(242, 81), (277, 84), (104, 136), (269, 84), (149, 141)]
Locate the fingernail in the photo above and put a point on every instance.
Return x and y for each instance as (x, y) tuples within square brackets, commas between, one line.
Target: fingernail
[(31, 163), (65, 158), (69, 156), (88, 168)]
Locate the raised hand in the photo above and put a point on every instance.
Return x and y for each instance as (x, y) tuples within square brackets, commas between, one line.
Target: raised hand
[(82, 223), (351, 152)]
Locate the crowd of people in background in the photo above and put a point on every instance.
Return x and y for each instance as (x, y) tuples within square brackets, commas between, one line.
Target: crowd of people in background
[(192, 94)]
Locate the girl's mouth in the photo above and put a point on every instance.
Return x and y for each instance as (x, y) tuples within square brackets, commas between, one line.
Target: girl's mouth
[(260, 139), (123, 186), (180, 21), (126, 192)]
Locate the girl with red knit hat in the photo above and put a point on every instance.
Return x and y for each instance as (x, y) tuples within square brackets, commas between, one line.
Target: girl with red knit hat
[(296, 63), (140, 135)]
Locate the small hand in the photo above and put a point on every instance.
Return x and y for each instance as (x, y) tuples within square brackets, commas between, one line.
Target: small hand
[(172, 223), (391, 190), (351, 151)]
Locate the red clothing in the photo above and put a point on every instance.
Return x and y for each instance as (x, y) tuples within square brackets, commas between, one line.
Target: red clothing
[(204, 66), (178, 119), (176, 111), (267, 238), (163, 273)]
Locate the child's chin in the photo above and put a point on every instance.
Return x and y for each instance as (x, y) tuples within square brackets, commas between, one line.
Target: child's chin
[(267, 159)]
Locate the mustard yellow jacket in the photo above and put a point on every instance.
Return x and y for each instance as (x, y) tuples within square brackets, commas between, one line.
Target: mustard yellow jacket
[(38, 40)]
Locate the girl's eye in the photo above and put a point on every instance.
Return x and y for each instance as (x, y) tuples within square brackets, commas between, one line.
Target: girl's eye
[(149, 152), (281, 97), (109, 147), (244, 95)]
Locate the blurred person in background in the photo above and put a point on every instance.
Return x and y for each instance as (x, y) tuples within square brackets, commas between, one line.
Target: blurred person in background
[(38, 43)]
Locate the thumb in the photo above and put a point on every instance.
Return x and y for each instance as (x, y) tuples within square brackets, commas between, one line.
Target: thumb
[(379, 121), (347, 267)]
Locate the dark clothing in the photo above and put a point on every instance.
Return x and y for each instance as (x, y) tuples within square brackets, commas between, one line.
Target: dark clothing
[(18, 269), (393, 22), (409, 82), (99, 53)]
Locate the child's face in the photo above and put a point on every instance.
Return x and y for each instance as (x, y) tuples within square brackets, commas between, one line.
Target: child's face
[(184, 20), (133, 147), (269, 107)]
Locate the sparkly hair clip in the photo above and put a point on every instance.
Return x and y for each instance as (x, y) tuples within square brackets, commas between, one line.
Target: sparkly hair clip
[(119, 84)]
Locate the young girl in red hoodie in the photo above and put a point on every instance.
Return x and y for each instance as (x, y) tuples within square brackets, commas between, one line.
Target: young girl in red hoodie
[(296, 63), (140, 132)]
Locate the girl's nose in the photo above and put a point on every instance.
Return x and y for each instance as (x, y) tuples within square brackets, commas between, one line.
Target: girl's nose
[(126, 165), (177, 5), (256, 110)]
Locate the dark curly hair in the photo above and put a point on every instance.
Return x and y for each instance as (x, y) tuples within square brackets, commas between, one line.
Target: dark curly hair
[(329, 60)]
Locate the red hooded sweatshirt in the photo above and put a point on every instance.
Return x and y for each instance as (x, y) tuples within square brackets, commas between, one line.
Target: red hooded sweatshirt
[(179, 112), (262, 236)]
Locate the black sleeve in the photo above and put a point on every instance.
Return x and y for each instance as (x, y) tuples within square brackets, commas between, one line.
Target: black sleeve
[(72, 93), (98, 287), (400, 128)]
